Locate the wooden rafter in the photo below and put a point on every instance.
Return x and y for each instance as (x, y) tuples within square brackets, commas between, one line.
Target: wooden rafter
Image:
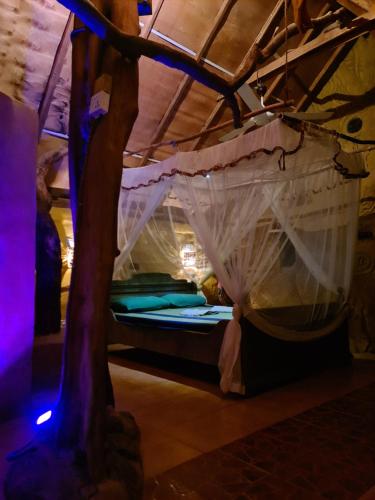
[(146, 30), (263, 36), (275, 85), (55, 72), (187, 81), (330, 39), (359, 7), (133, 47)]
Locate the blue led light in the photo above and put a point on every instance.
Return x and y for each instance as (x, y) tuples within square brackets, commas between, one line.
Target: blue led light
[(44, 417)]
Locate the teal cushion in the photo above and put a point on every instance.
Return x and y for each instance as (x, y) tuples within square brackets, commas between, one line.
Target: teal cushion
[(137, 303), (184, 299)]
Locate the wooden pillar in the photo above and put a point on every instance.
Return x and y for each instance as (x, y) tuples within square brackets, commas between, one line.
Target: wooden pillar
[(81, 411)]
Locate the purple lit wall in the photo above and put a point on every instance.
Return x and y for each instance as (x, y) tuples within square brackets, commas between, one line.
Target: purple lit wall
[(18, 142)]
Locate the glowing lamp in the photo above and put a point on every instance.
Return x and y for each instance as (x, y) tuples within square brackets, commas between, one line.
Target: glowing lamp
[(189, 255), (44, 417)]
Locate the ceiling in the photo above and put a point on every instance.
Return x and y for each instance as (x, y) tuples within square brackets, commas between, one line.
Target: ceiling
[(218, 33)]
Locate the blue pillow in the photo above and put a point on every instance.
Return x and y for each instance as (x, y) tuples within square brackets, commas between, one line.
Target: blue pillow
[(138, 303), (184, 299)]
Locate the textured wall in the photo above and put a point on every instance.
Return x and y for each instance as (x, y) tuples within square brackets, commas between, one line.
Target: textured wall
[(355, 76), (30, 31), (18, 140)]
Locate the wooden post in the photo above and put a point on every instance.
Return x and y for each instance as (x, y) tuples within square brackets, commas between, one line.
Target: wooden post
[(96, 458), (85, 390)]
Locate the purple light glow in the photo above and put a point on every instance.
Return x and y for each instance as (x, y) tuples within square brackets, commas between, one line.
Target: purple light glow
[(18, 141)]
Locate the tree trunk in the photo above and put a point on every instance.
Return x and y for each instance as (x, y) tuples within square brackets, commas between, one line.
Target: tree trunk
[(85, 393)]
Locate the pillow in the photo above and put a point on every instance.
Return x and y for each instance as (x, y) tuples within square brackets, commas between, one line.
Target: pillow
[(138, 303), (184, 299)]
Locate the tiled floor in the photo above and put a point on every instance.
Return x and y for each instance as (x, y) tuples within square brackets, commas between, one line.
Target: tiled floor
[(179, 421), (183, 418), (327, 452)]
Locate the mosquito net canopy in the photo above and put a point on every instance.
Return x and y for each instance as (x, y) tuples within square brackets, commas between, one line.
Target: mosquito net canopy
[(272, 215)]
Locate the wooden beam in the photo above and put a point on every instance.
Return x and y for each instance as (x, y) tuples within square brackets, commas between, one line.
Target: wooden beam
[(146, 30), (263, 36), (359, 7), (330, 39), (306, 38), (187, 81), (219, 21), (132, 47), (55, 72)]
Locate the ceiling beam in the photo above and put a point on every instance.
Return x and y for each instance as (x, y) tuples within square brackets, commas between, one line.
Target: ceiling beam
[(187, 81), (327, 40), (263, 36), (358, 7), (146, 30), (275, 85), (57, 65)]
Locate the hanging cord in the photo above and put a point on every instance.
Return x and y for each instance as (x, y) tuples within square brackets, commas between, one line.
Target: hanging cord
[(286, 76)]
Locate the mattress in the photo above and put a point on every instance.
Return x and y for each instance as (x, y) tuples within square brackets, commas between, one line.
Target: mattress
[(201, 319)]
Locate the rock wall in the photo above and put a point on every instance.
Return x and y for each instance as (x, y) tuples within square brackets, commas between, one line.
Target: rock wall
[(354, 77), (30, 31)]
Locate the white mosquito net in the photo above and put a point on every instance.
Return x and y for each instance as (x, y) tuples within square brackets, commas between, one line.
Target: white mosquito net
[(269, 212)]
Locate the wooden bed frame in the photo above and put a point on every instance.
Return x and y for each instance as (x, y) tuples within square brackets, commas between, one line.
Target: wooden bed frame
[(187, 344), (266, 361)]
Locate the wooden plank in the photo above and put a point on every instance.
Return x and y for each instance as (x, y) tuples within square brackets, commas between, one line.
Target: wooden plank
[(264, 34), (55, 72), (219, 21), (187, 81), (330, 39)]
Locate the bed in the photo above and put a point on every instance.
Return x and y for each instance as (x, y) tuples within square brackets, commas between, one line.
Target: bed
[(194, 333), (266, 361)]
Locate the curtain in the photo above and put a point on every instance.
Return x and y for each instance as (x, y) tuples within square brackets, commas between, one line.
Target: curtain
[(135, 209), (274, 217), (240, 250)]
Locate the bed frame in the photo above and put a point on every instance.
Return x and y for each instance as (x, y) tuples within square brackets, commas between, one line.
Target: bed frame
[(187, 344), (267, 362)]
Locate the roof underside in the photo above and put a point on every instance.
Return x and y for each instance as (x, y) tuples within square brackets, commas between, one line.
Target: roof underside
[(219, 33)]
